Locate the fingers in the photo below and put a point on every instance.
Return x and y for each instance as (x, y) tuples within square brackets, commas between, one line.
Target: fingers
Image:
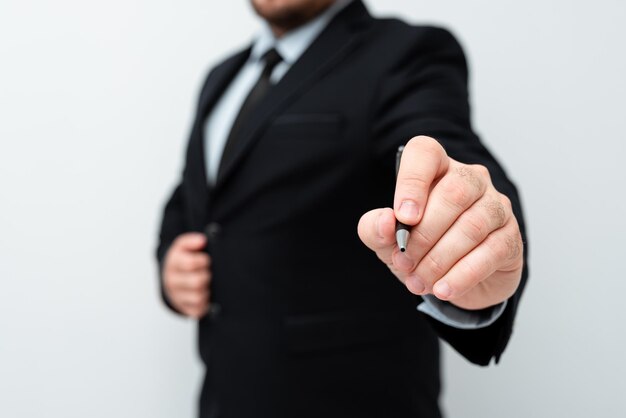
[(194, 304), (190, 241), (498, 257), (189, 261), (196, 281), (423, 161), (187, 253), (469, 230), (188, 291), (450, 198), (187, 275)]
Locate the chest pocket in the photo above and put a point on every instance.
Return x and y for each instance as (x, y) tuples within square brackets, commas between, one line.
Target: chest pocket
[(306, 127)]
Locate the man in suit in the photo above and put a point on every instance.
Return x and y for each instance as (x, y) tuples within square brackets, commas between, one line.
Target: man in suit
[(292, 150)]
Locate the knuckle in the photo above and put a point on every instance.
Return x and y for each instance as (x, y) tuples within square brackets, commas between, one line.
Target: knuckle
[(456, 194), (464, 171), (514, 245), (412, 183), (506, 202), (471, 175), (481, 171), (424, 239), (435, 266), (474, 227), (475, 270), (499, 247), (497, 212)]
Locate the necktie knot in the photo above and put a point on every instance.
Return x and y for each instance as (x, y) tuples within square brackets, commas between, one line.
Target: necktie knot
[(271, 59)]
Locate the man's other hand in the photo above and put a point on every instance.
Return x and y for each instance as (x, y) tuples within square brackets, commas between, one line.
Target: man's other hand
[(186, 275), (465, 245)]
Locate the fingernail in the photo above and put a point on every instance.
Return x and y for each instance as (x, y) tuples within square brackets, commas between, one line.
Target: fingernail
[(442, 290), (408, 210)]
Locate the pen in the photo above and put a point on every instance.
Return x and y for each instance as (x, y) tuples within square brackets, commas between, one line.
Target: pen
[(402, 230)]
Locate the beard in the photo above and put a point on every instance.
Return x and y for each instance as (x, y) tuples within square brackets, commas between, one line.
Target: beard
[(289, 14)]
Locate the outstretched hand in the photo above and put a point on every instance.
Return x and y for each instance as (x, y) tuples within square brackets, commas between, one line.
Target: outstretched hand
[(465, 245)]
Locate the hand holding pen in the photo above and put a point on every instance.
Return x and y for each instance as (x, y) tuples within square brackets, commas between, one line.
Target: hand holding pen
[(464, 245)]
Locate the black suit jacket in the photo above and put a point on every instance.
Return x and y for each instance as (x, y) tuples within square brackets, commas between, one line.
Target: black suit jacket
[(306, 320)]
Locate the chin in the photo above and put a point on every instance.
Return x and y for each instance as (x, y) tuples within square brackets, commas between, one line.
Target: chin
[(289, 13)]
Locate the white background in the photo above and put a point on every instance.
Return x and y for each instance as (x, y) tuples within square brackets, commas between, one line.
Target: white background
[(96, 101)]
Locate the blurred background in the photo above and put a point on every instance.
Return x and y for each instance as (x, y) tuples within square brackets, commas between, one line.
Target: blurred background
[(96, 102)]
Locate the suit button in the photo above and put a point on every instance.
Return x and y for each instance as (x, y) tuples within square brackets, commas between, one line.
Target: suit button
[(212, 230), (215, 309)]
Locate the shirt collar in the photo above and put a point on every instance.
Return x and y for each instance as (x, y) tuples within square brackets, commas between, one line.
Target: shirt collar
[(291, 45)]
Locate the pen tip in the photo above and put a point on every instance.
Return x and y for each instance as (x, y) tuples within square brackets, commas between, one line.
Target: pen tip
[(402, 238)]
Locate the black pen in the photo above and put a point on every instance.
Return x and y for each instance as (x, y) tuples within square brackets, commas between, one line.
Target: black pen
[(402, 230)]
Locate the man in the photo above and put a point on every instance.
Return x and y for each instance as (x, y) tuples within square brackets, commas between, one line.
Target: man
[(292, 149)]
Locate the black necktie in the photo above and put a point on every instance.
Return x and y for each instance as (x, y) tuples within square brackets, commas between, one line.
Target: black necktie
[(258, 91)]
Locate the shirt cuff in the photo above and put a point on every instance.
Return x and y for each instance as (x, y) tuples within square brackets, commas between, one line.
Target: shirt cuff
[(456, 317)]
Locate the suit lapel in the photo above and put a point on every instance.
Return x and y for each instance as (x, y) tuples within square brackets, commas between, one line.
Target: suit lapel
[(333, 44), (217, 83), (213, 88)]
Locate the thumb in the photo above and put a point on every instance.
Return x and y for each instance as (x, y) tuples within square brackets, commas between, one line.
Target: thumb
[(423, 161)]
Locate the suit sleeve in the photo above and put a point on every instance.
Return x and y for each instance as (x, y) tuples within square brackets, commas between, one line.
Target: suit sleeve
[(425, 92)]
